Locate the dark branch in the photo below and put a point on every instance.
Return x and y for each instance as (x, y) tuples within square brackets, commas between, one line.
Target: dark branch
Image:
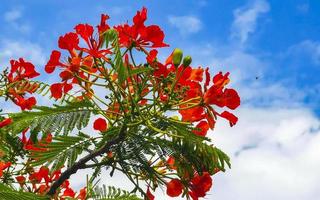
[(81, 164)]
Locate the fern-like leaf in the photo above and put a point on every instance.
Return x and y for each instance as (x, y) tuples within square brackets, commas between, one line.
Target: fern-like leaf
[(112, 193), (63, 149), (52, 120), (7, 193)]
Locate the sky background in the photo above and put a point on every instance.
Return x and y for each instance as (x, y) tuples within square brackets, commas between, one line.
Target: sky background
[(270, 47)]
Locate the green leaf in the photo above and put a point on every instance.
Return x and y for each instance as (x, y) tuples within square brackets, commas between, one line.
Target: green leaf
[(112, 193), (52, 120), (7, 193), (63, 149), (112, 36)]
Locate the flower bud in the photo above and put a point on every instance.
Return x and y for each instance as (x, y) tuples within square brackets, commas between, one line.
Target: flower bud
[(177, 57), (186, 61)]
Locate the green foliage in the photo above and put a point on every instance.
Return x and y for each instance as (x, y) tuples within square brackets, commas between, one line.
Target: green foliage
[(112, 193), (52, 120), (63, 149), (112, 37), (7, 193)]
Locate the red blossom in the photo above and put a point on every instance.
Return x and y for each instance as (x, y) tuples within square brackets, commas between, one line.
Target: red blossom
[(100, 124), (53, 62), (21, 179), (103, 27), (174, 188), (152, 56), (3, 166), (200, 185), (229, 116), (140, 35), (20, 69), (25, 104), (68, 192), (82, 194), (69, 41), (201, 128), (58, 89), (85, 31)]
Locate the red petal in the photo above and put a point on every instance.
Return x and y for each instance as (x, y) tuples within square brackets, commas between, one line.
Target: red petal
[(56, 90), (100, 124), (174, 188), (149, 195), (53, 62), (85, 31), (229, 116), (5, 122)]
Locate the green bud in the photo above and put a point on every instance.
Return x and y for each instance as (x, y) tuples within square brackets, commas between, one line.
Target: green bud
[(186, 61), (177, 57)]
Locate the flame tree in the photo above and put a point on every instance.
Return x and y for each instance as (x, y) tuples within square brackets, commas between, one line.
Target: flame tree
[(117, 107)]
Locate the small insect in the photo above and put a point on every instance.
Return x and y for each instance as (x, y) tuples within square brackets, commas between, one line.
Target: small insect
[(257, 77)]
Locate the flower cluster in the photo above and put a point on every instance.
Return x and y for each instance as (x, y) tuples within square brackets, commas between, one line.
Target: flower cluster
[(97, 65), (19, 85)]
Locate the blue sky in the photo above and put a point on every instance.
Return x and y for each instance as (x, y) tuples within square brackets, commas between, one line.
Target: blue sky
[(276, 41)]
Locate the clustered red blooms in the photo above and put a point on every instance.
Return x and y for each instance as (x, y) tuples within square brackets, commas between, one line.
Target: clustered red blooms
[(138, 35), (175, 84), (42, 179), (20, 73)]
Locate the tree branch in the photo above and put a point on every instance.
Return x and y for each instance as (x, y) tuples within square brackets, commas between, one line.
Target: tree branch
[(81, 164)]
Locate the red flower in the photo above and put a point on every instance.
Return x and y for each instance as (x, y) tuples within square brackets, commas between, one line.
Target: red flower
[(171, 163), (200, 185), (203, 126), (5, 122), (100, 124), (207, 81), (66, 75), (43, 173), (150, 196), (57, 89), (85, 31), (196, 74), (22, 69), (68, 192), (232, 99), (83, 194), (53, 62), (192, 114), (152, 56), (21, 180), (69, 41), (229, 116), (4, 166), (25, 104), (103, 27), (140, 35), (174, 188)]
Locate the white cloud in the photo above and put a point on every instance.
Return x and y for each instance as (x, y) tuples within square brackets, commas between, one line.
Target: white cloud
[(284, 163), (10, 49), (186, 24), (12, 15), (245, 19), (309, 48)]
